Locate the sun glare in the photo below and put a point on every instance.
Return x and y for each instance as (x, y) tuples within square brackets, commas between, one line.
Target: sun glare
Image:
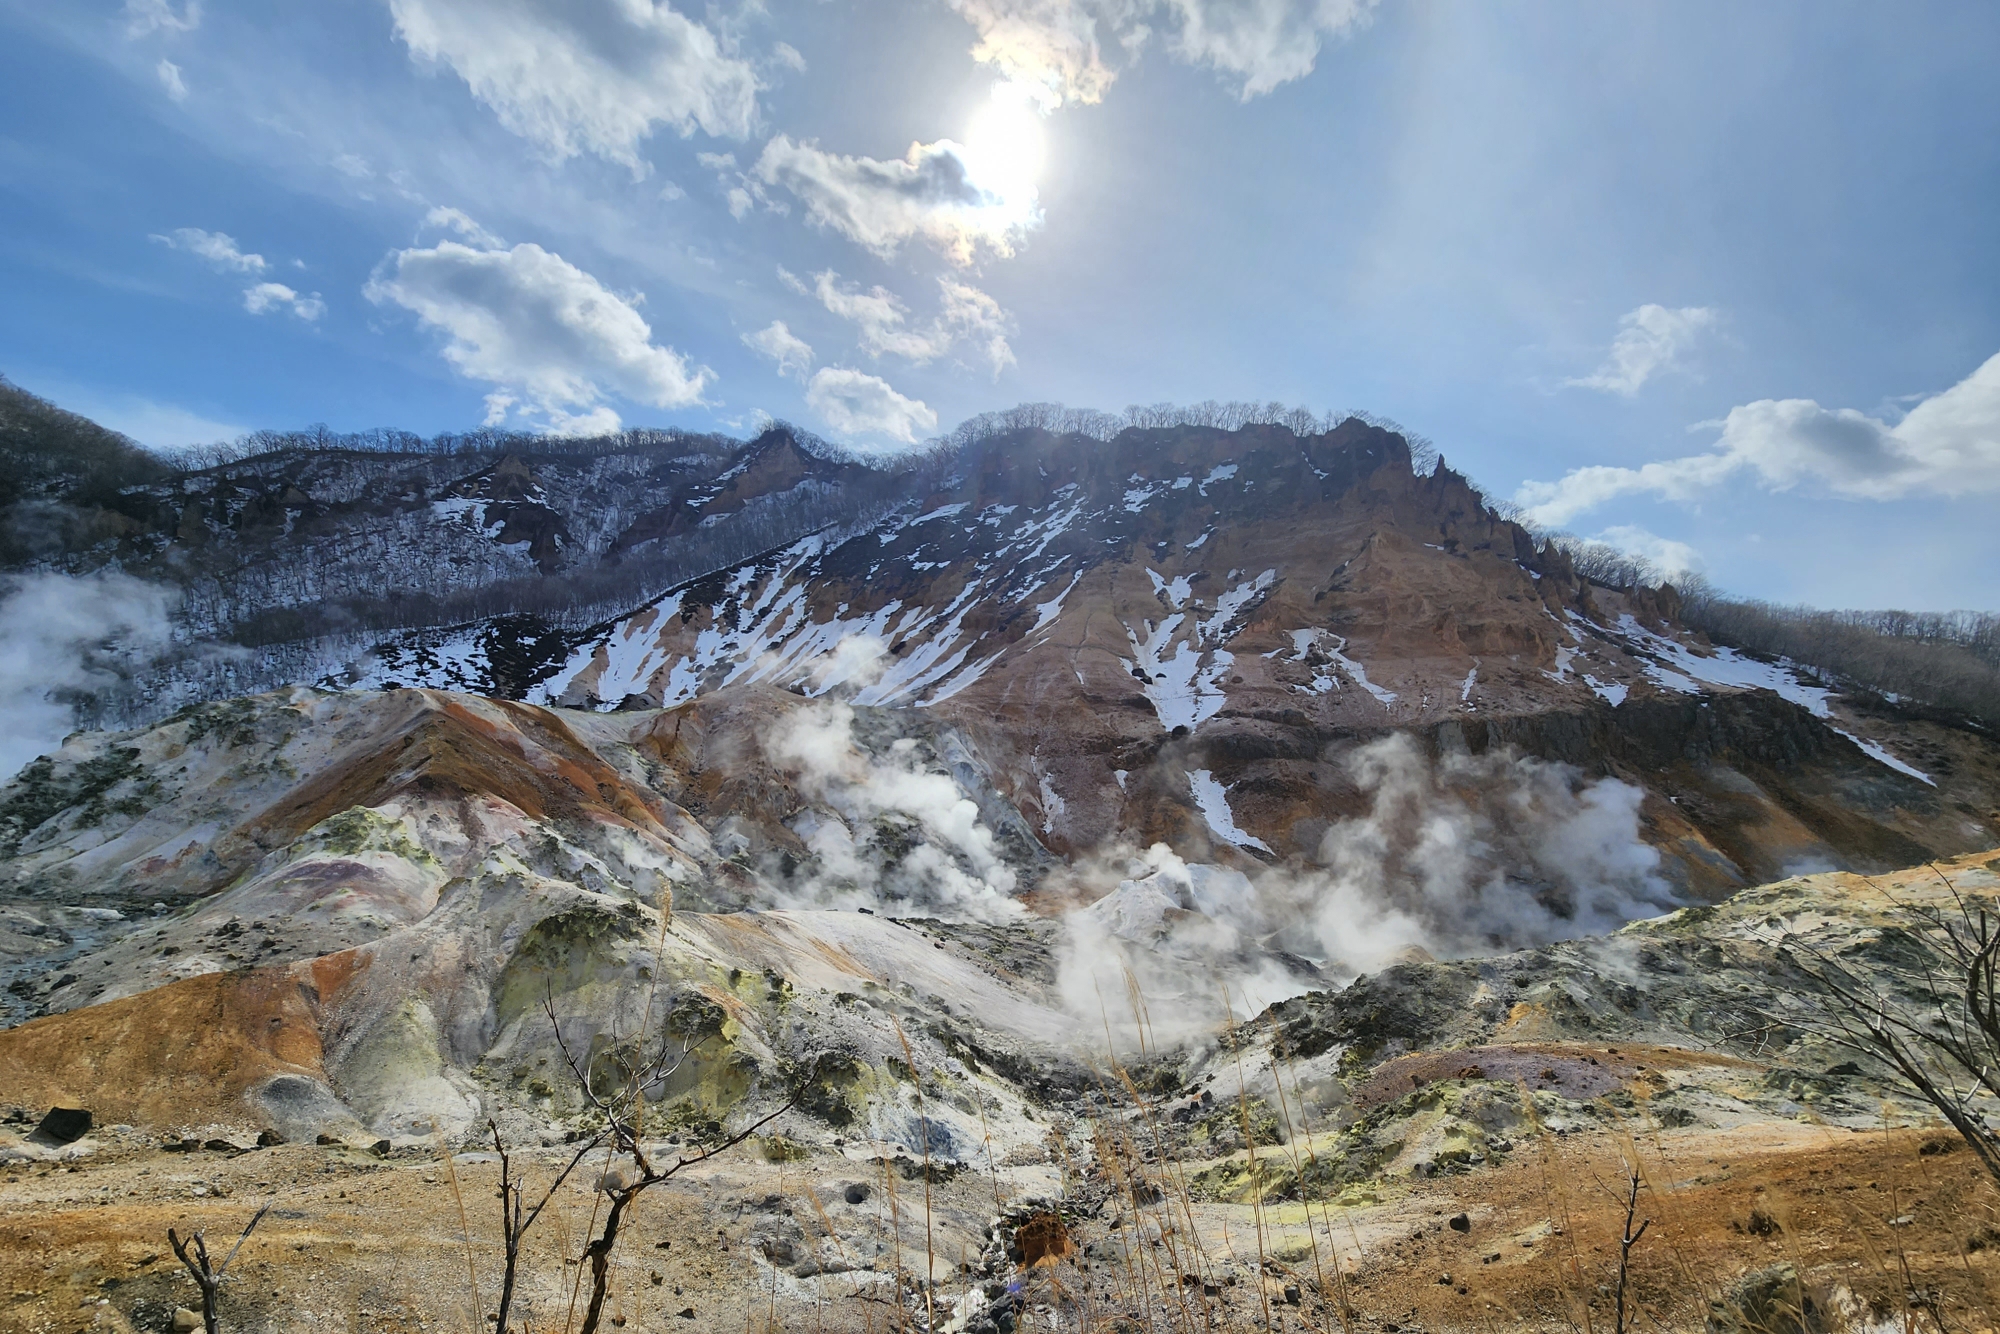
[(1004, 144)]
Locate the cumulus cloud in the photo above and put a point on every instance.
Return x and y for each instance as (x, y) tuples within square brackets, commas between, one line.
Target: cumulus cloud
[(143, 17), (1948, 445), (856, 403), (793, 355), (218, 248), (66, 638), (1064, 51), (170, 80), (1650, 339), (1261, 44), (1052, 47), (937, 192), (1670, 557), (586, 76), (550, 336), (965, 314), (266, 297)]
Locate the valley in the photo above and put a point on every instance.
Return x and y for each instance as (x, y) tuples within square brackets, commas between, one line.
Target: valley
[(1197, 879)]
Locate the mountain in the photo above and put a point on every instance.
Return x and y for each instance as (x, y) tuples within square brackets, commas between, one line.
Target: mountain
[(1057, 814), (1175, 635)]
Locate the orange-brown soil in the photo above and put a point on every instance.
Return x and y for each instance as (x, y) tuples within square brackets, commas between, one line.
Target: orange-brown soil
[(1885, 1227)]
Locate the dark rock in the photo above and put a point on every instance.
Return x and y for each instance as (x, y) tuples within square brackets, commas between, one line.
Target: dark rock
[(269, 1139), (62, 1125), (381, 1148), (1461, 1223)]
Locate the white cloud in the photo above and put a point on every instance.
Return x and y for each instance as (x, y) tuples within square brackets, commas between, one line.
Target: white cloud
[(975, 317), (457, 220), (1670, 557), (548, 334), (1948, 445), (965, 314), (266, 297), (935, 191), (880, 317), (1262, 43), (218, 248), (1070, 50), (1650, 339), (170, 80), (1052, 47), (586, 76), (793, 355), (855, 403), (149, 16)]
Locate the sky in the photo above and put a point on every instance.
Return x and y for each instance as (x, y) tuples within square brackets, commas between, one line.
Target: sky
[(1715, 283)]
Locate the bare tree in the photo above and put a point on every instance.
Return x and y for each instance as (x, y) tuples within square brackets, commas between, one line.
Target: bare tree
[(621, 1109), (1945, 1042), (516, 1218), (193, 1253), (1626, 1241)]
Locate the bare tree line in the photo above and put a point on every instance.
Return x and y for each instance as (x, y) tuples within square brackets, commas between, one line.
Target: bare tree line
[(450, 444), (1950, 660), (1232, 416), (1946, 659)]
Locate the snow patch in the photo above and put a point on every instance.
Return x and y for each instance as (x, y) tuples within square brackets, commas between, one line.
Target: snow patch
[(1046, 612), (1213, 800), (1611, 694), (1875, 752), (1053, 808), (1682, 667), (1177, 592)]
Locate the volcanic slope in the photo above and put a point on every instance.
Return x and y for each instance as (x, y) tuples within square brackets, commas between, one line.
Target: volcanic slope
[(1331, 1134), (1182, 635)]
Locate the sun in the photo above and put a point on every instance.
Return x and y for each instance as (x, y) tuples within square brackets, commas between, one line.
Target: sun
[(1004, 145)]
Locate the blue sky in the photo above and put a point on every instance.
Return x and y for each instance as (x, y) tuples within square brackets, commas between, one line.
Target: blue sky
[(1716, 281)]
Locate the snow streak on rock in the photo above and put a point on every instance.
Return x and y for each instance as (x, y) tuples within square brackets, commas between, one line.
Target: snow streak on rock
[(1213, 801)]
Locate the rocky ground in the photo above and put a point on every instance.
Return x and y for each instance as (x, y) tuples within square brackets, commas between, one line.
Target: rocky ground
[(1441, 1145)]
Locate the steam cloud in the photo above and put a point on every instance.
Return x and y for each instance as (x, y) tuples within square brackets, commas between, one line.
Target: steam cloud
[(1461, 855), (65, 638), (885, 830)]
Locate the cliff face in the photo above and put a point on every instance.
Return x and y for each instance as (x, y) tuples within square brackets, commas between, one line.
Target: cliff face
[(1184, 636)]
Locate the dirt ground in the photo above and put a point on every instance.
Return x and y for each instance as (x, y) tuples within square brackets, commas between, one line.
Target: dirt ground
[(1889, 1228)]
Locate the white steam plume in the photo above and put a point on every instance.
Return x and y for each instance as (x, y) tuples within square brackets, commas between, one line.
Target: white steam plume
[(1478, 852), (886, 832), (1462, 855), (62, 637)]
